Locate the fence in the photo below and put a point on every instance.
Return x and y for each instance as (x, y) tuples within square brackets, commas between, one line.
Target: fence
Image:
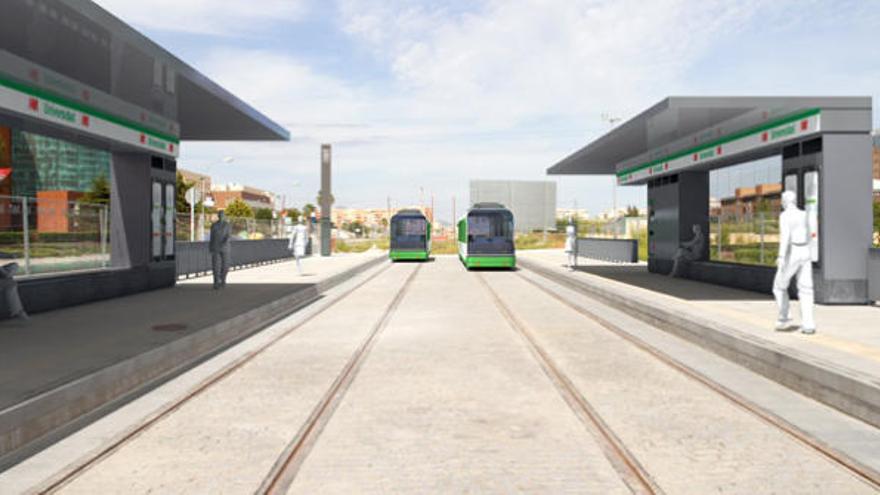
[(193, 258), (49, 235), (193, 229), (749, 238)]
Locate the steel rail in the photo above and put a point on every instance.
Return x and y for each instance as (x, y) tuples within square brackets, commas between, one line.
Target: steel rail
[(79, 468), (865, 473), (631, 472), (285, 469)]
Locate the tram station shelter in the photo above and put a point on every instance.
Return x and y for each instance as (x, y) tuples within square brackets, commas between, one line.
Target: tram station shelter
[(722, 163), (86, 97)]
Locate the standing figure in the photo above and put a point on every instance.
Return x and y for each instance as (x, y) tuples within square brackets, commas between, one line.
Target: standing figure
[(689, 251), (221, 249), (299, 238), (794, 259), (571, 243), (10, 291)]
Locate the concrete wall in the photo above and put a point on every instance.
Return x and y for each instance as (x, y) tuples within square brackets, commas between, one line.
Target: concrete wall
[(533, 203)]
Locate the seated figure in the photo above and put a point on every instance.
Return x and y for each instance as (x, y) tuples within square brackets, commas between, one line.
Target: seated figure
[(10, 291), (689, 251)]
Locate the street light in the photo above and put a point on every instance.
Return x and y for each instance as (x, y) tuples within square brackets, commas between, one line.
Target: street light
[(225, 159), (612, 121)]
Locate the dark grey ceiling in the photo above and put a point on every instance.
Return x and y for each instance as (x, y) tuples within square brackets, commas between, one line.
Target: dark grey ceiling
[(677, 117)]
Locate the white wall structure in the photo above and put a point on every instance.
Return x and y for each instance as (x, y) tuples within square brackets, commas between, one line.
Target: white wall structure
[(533, 203)]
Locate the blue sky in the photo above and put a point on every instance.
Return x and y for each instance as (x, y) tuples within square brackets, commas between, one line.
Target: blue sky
[(432, 94)]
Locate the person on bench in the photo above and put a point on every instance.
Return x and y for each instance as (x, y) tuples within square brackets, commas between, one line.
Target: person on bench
[(689, 251)]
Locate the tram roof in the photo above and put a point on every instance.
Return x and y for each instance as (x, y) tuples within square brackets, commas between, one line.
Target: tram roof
[(678, 117)]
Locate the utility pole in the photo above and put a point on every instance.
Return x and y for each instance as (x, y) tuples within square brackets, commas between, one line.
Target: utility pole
[(454, 218), (432, 207), (388, 211), (325, 200)]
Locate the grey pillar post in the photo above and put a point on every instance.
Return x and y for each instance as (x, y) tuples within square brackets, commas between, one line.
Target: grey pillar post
[(325, 199)]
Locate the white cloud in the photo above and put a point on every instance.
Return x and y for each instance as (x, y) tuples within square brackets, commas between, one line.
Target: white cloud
[(215, 17), (501, 89)]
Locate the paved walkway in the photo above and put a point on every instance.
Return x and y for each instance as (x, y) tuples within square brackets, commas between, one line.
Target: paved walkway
[(848, 336), (59, 346)]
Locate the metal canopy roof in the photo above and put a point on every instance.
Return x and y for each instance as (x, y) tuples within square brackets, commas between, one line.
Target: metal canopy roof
[(677, 117), (205, 110)]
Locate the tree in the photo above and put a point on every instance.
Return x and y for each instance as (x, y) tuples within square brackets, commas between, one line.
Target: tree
[(632, 211), (293, 214), (239, 209), (877, 219), (263, 214), (181, 204), (308, 209), (99, 193)]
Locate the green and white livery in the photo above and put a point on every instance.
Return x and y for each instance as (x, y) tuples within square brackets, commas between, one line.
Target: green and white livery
[(485, 237)]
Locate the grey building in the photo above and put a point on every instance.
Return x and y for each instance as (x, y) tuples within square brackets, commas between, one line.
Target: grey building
[(533, 203), (88, 106)]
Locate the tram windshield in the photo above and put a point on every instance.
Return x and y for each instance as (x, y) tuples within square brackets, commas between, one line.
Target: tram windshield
[(408, 233), (490, 232)]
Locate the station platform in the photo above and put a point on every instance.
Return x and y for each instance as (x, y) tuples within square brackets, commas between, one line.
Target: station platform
[(61, 366), (839, 365)]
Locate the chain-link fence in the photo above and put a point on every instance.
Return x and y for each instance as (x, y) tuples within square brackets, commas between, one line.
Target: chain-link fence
[(48, 235)]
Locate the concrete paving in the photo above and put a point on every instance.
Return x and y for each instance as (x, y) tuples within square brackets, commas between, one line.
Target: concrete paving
[(59, 346), (847, 335), (451, 400)]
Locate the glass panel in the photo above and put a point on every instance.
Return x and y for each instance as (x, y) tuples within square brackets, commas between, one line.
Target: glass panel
[(791, 183), (811, 205), (408, 233), (744, 206), (67, 191), (169, 219), (490, 233), (156, 219)]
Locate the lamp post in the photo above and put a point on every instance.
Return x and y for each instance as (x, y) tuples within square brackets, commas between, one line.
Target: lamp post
[(225, 159), (612, 121)]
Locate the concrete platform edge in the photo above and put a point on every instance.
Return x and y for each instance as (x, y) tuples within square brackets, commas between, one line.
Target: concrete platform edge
[(846, 390), (29, 426)]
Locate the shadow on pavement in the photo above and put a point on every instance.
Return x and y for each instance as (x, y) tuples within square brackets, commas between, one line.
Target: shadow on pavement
[(639, 276)]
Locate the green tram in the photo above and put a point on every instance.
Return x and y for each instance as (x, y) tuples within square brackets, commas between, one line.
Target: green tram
[(410, 236), (485, 237)]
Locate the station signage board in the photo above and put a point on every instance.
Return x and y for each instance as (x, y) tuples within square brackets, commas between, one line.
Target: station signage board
[(42, 105), (771, 133)]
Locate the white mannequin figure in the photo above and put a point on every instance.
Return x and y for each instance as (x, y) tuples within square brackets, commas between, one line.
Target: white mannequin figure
[(570, 243), (794, 259), (299, 237)]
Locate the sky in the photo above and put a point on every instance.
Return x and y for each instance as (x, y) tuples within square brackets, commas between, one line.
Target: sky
[(417, 98)]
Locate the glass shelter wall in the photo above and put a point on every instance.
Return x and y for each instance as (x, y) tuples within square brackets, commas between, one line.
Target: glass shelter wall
[(54, 204), (744, 207)]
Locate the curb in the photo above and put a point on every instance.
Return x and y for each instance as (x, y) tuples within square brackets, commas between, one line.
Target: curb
[(35, 423), (851, 392)]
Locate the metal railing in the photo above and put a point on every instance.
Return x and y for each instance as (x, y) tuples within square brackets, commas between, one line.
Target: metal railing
[(47, 235), (242, 228), (193, 258)]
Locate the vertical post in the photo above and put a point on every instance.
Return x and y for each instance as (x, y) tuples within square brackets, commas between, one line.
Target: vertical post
[(719, 237), (25, 221), (202, 222), (326, 203), (761, 219), (102, 214), (192, 215)]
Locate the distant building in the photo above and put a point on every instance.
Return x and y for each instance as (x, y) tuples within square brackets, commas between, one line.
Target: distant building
[(372, 218), (251, 196), (533, 203), (566, 213), (747, 201), (196, 178)]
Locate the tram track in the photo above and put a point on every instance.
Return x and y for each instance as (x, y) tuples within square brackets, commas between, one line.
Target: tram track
[(73, 472), (285, 469), (865, 473), (631, 472)]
